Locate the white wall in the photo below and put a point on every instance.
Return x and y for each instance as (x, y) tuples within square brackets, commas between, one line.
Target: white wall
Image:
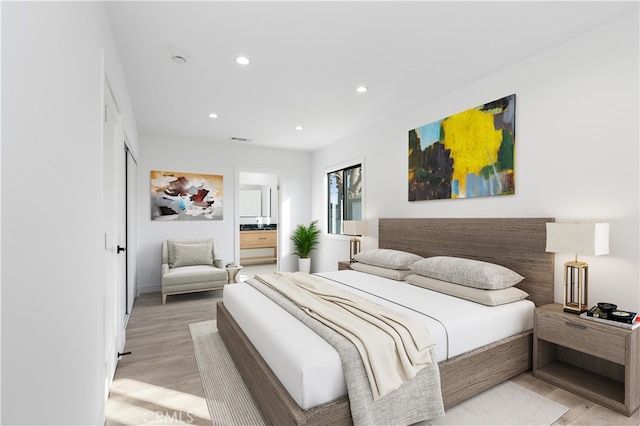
[(53, 368), (577, 154), (219, 158)]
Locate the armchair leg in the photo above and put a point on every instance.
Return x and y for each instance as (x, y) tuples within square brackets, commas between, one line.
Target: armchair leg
[(164, 298)]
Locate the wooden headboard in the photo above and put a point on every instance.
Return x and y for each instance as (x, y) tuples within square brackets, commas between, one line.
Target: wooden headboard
[(516, 243)]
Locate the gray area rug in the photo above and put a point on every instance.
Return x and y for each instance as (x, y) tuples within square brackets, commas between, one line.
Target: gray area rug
[(228, 399), (230, 403), (505, 404)]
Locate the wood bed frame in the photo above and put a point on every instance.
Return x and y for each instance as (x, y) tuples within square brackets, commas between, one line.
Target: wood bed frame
[(516, 243)]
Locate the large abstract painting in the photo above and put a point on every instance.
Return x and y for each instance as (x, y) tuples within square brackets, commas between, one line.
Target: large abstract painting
[(186, 196), (469, 154)]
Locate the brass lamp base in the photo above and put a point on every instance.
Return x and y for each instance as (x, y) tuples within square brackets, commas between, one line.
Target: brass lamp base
[(576, 278), (575, 309), (354, 248)]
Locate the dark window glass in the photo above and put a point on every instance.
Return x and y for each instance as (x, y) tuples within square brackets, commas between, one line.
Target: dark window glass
[(345, 197)]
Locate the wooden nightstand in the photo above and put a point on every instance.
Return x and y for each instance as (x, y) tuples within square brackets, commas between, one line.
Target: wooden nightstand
[(344, 264), (597, 361)]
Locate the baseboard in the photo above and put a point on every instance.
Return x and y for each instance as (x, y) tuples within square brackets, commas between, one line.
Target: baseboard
[(152, 288)]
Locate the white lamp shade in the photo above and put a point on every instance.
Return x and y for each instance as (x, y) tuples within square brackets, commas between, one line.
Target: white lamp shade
[(578, 238), (354, 227)]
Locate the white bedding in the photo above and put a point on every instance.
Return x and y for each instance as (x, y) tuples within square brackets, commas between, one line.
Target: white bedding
[(309, 367)]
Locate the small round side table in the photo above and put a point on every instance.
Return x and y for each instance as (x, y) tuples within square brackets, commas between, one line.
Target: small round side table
[(232, 272)]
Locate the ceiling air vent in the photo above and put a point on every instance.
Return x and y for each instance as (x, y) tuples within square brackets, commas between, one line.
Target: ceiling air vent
[(237, 139)]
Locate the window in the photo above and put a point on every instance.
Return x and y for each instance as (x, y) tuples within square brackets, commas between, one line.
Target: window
[(344, 190)]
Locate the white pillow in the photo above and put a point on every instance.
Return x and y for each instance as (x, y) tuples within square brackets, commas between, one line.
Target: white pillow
[(484, 297), (192, 254), (387, 258), (394, 274), (468, 272)]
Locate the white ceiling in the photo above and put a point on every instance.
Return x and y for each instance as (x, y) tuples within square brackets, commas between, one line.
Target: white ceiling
[(307, 58)]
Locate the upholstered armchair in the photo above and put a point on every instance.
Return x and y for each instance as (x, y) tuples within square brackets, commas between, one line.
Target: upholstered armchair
[(191, 265)]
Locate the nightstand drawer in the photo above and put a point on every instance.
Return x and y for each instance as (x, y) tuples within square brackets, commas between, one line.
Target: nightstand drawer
[(578, 335)]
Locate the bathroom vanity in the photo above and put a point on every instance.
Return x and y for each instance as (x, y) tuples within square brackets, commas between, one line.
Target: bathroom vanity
[(254, 237)]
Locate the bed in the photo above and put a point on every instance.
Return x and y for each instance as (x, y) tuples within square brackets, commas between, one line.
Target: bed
[(516, 243)]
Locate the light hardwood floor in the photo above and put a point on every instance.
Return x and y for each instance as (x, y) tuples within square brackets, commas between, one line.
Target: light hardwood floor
[(159, 382)]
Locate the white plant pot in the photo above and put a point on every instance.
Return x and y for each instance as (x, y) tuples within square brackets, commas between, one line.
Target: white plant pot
[(304, 265)]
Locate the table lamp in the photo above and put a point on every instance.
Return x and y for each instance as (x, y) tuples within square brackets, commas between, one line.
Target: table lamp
[(354, 228), (577, 238)]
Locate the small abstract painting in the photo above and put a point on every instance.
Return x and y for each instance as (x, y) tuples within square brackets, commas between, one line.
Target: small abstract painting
[(185, 196), (469, 154)]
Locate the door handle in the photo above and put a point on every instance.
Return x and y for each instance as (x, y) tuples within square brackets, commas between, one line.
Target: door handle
[(121, 249)]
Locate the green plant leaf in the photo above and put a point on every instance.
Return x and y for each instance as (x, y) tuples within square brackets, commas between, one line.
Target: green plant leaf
[(305, 239)]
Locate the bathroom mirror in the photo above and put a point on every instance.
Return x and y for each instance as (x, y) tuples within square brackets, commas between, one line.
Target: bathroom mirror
[(255, 201)]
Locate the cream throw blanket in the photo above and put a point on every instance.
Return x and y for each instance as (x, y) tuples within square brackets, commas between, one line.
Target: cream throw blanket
[(393, 346)]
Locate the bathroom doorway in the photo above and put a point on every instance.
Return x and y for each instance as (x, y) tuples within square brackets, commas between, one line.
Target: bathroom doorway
[(258, 217)]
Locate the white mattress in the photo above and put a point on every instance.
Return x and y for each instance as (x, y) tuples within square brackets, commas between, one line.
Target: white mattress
[(309, 367)]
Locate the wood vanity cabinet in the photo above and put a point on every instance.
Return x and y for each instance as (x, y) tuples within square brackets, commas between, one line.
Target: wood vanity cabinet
[(267, 239)]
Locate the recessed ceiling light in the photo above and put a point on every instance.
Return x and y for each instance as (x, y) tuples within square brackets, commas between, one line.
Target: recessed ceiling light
[(242, 60), (299, 127), (213, 115), (237, 139), (361, 89), (179, 58)]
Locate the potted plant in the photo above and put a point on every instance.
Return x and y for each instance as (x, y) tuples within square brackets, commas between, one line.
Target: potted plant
[(305, 239)]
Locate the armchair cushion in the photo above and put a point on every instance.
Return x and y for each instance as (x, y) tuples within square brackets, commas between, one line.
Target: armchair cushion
[(192, 254), (194, 277)]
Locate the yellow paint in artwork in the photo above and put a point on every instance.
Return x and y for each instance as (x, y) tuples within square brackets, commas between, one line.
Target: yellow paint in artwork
[(474, 143)]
